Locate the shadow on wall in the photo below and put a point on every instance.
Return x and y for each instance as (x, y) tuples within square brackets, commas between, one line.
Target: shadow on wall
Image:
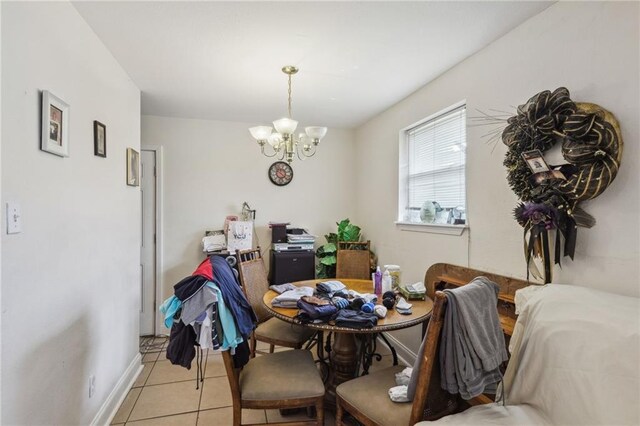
[(54, 385)]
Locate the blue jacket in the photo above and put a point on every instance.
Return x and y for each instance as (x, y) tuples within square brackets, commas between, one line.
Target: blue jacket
[(233, 296)]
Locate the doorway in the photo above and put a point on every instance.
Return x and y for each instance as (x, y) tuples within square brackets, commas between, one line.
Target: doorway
[(149, 243)]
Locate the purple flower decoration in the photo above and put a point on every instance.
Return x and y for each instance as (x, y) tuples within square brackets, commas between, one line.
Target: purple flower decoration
[(538, 214)]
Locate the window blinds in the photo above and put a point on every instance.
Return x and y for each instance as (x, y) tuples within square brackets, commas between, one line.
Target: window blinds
[(437, 160)]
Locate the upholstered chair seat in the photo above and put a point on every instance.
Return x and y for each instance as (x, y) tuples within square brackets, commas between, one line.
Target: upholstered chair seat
[(282, 375), (370, 394)]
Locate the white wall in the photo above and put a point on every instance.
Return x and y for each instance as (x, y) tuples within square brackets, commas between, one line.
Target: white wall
[(0, 214), (212, 167), (70, 280), (590, 48)]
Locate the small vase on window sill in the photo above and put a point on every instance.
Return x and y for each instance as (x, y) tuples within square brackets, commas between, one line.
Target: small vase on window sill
[(429, 211)]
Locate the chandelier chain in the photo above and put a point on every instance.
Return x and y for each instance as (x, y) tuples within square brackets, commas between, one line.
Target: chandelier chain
[(289, 103)]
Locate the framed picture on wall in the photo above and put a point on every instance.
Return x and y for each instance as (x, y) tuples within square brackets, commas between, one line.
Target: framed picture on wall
[(55, 125), (535, 161), (133, 167), (99, 139)]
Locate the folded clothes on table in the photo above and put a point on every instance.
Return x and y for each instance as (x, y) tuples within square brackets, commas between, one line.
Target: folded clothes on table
[(368, 297), (289, 299), (312, 309), (339, 302), (330, 287), (281, 288), (403, 307), (354, 319)]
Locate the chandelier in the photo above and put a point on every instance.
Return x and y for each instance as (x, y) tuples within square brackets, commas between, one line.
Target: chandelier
[(284, 142)]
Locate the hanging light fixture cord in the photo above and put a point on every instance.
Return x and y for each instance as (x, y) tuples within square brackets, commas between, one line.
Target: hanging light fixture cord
[(289, 103)]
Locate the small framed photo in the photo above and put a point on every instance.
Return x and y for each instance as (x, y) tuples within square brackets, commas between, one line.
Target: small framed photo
[(535, 161), (133, 167), (55, 125), (547, 177), (442, 217), (99, 139)]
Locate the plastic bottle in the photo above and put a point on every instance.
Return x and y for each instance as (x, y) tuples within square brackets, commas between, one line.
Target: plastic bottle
[(394, 271), (386, 281), (377, 281)]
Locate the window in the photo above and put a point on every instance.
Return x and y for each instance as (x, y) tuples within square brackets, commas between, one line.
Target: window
[(432, 169)]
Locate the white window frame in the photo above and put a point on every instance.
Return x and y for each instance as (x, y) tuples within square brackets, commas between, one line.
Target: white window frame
[(403, 182)]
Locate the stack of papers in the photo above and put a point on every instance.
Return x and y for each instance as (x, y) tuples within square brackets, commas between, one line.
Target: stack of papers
[(303, 238)]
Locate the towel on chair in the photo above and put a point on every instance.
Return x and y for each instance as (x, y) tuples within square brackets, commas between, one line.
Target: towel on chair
[(472, 344)]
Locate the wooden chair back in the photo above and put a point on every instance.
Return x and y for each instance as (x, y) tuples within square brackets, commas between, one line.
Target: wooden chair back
[(253, 277), (353, 260), (430, 400), (444, 275)]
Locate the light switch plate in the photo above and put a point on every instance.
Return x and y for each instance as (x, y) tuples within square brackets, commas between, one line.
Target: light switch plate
[(14, 218)]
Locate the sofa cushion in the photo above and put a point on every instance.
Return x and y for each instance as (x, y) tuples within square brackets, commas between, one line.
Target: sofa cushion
[(575, 355), (495, 414)]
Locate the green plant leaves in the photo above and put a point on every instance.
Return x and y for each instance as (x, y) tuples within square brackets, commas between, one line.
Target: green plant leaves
[(329, 260), (332, 238), (330, 248), (347, 231)]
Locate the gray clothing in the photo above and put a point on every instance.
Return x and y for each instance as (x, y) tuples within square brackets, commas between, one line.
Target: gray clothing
[(197, 304), (281, 288), (472, 344), (289, 299)]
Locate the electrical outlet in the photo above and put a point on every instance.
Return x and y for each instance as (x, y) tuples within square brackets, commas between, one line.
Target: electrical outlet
[(14, 218), (92, 385)]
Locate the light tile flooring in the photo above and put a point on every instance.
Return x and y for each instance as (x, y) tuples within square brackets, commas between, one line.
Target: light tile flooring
[(166, 394)]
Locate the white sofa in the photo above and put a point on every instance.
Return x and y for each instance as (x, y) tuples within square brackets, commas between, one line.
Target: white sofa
[(575, 360)]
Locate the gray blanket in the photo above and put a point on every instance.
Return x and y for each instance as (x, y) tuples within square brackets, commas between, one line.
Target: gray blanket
[(472, 345)]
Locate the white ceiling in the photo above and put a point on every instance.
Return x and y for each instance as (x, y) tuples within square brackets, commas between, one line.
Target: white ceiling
[(222, 60)]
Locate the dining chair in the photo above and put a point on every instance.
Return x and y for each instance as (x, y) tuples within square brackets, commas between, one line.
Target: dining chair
[(366, 398), (281, 380), (354, 260), (253, 277)]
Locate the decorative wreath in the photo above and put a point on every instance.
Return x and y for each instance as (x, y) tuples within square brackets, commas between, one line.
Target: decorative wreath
[(591, 145)]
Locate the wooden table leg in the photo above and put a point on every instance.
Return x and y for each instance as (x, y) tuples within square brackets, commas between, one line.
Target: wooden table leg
[(344, 362)]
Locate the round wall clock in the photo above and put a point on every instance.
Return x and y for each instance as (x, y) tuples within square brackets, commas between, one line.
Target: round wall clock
[(280, 173)]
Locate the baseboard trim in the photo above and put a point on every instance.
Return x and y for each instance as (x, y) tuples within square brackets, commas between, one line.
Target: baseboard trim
[(405, 355), (110, 407)]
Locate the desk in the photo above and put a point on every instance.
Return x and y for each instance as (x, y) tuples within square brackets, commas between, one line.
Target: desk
[(351, 345)]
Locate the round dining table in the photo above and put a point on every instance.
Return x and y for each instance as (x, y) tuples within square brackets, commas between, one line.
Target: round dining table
[(353, 349)]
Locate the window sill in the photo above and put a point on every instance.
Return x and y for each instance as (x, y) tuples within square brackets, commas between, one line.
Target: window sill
[(432, 228)]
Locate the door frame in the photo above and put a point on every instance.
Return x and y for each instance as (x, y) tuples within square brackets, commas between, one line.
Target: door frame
[(158, 324)]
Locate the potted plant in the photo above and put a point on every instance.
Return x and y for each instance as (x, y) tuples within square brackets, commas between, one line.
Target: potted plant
[(347, 231)]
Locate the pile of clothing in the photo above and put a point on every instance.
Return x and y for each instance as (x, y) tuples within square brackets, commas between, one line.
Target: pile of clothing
[(208, 311), (330, 301)]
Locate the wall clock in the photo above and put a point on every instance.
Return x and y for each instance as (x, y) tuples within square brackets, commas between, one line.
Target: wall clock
[(280, 173)]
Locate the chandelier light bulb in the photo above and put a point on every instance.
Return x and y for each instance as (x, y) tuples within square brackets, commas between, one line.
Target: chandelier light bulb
[(316, 133), (285, 126), (274, 140), (261, 133)]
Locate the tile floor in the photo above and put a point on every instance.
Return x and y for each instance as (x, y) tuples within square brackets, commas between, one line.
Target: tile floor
[(166, 395)]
